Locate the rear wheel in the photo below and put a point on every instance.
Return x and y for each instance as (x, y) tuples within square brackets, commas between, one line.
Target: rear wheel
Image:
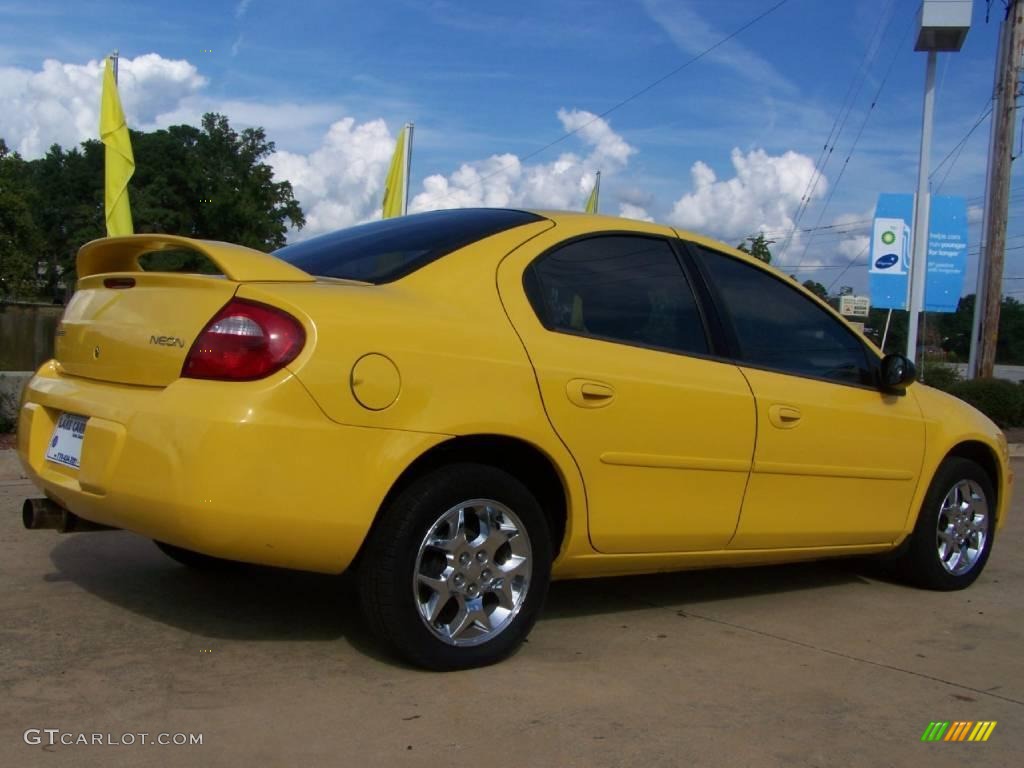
[(456, 569), (953, 536)]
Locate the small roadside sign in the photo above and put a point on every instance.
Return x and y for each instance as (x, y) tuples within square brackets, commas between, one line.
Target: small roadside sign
[(854, 306)]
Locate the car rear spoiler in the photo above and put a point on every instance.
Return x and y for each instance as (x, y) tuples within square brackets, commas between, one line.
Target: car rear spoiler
[(236, 262)]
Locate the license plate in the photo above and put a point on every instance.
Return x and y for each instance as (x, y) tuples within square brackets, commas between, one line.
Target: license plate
[(66, 442)]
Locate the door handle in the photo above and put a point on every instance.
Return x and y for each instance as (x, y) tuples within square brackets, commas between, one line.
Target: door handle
[(589, 394), (784, 416)]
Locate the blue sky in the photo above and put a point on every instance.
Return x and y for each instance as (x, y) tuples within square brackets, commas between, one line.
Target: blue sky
[(484, 83)]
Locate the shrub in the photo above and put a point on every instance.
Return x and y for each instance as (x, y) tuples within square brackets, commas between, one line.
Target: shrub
[(941, 376), (8, 409), (999, 399)]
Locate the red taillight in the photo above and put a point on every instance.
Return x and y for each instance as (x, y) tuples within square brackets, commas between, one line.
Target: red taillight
[(244, 341)]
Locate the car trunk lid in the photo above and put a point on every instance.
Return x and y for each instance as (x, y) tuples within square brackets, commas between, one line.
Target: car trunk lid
[(129, 326)]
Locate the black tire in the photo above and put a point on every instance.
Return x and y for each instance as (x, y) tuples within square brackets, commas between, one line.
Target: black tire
[(919, 561), (388, 565), (192, 559)]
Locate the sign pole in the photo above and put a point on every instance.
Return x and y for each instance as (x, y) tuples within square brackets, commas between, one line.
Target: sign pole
[(919, 258), (885, 333)]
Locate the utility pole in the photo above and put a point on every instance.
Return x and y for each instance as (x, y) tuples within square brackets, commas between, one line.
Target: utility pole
[(989, 295)]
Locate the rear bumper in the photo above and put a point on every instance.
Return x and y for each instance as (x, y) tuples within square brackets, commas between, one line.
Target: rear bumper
[(248, 471)]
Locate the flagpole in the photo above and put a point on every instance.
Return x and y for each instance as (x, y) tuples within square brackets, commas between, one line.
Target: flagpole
[(114, 57), (592, 201), (406, 169)]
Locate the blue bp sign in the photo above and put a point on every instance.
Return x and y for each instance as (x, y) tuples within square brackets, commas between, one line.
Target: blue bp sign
[(891, 238)]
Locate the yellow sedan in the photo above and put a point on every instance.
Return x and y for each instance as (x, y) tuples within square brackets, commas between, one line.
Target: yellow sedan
[(461, 405)]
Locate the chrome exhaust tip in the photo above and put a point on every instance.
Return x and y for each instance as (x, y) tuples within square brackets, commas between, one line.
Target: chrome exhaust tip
[(39, 514)]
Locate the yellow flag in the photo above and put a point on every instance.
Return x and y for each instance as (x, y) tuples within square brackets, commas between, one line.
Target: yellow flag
[(592, 200), (120, 163), (395, 196)]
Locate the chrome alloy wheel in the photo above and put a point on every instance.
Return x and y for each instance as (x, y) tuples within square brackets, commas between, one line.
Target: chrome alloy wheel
[(472, 572), (962, 527)]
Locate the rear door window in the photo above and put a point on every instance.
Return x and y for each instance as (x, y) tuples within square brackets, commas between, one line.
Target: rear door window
[(621, 288)]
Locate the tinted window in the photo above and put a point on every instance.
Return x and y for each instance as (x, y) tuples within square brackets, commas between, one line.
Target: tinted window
[(778, 327), (623, 288), (386, 250)]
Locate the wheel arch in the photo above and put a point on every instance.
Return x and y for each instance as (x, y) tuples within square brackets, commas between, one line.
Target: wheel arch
[(532, 466), (985, 457)]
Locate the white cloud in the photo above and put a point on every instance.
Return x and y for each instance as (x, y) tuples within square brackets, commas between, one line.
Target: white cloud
[(610, 150), (60, 103), (341, 182), (854, 247), (241, 8), (763, 196), (504, 180), (630, 211)]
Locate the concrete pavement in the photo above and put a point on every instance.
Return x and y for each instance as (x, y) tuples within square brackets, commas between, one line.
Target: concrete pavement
[(817, 664)]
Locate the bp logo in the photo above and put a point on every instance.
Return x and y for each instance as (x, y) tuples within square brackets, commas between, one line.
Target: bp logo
[(888, 238)]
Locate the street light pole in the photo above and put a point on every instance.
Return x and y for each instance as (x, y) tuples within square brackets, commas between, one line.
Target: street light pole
[(942, 26), (922, 205)]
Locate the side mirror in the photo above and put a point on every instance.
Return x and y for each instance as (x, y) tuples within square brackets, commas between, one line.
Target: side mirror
[(896, 372)]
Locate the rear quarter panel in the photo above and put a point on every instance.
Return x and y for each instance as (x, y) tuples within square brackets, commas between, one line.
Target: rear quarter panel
[(462, 368)]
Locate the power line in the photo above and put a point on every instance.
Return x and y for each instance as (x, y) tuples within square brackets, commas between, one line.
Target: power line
[(854, 260), (845, 110), (986, 110), (860, 132), (819, 229), (632, 97), (959, 148)]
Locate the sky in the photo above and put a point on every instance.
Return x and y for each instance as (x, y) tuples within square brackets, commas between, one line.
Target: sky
[(792, 127)]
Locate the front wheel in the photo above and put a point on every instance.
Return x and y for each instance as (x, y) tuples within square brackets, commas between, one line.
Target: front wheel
[(953, 536), (456, 569)]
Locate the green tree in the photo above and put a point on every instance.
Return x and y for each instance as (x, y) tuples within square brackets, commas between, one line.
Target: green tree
[(1010, 345), (20, 242), (246, 205), (758, 247), (896, 341), (955, 330), (210, 182), (68, 204), (817, 289)]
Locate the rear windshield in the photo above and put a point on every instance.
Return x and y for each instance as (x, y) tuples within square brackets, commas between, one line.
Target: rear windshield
[(386, 250)]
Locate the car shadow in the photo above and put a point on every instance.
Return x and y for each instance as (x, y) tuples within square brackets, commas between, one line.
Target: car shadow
[(238, 601), (688, 589), (246, 602)]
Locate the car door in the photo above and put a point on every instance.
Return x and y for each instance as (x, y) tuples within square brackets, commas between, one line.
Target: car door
[(837, 460), (662, 434)]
